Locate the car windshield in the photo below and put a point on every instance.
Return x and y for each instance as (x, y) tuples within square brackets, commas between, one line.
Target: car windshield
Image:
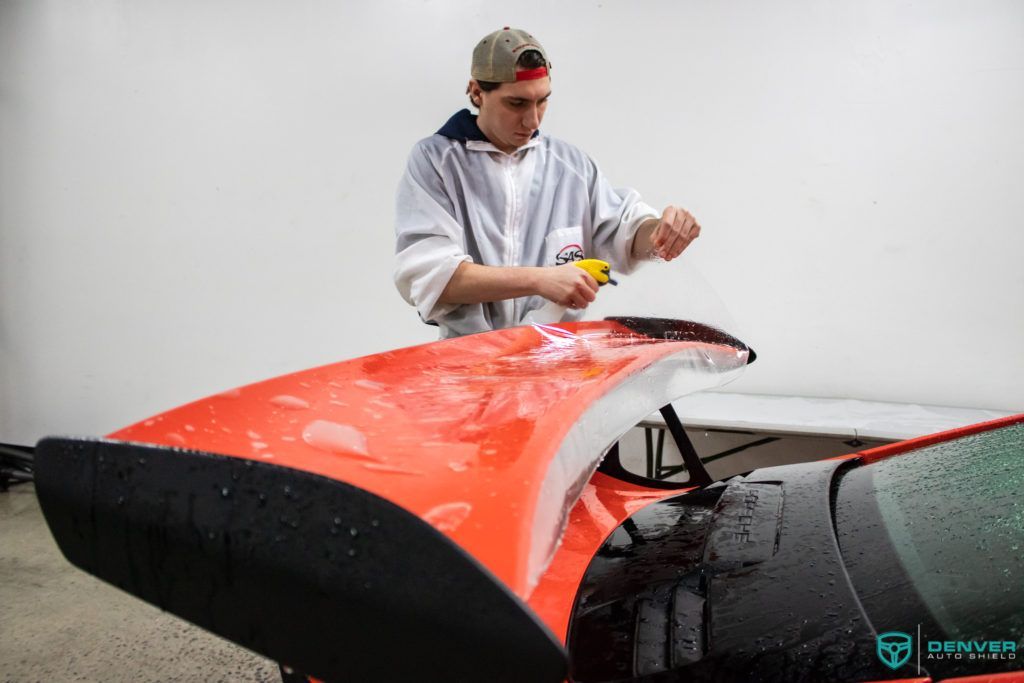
[(935, 537)]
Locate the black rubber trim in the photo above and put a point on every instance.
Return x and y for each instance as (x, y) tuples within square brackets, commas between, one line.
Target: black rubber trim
[(326, 577), (682, 330)]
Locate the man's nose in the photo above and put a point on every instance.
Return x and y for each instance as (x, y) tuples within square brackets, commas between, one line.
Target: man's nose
[(531, 119)]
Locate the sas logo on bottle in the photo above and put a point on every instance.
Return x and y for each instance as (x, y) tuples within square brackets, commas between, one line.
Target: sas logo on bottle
[(894, 648), (568, 254)]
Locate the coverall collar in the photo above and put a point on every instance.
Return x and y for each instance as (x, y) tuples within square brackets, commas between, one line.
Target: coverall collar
[(462, 126)]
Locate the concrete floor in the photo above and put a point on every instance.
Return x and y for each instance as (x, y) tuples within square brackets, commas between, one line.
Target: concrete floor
[(60, 624)]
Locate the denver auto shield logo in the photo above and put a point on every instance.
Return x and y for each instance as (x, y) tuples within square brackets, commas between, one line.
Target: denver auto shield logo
[(894, 648), (568, 254)]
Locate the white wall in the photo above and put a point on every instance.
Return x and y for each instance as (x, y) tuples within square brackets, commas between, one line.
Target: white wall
[(196, 195)]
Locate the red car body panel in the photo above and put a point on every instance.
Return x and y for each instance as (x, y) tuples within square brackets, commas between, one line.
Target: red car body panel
[(604, 505), (460, 432)]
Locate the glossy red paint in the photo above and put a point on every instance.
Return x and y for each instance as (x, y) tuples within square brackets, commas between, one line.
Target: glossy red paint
[(604, 505), (889, 450), (459, 432), (1005, 677)]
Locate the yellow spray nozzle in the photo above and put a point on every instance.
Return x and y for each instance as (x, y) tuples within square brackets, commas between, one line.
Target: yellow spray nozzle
[(598, 269)]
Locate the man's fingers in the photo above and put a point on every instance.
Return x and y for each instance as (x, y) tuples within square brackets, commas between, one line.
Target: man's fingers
[(691, 232), (583, 290), (674, 248), (580, 300), (664, 230), (685, 234), (688, 222), (677, 229), (670, 245), (586, 293), (665, 236), (668, 216)]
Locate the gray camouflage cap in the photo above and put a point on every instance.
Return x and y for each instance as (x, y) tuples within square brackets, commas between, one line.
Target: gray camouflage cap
[(494, 58)]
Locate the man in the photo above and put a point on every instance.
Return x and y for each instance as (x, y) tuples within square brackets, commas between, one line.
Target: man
[(491, 213)]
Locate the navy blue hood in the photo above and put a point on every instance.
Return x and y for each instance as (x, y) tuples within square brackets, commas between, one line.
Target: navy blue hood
[(462, 127)]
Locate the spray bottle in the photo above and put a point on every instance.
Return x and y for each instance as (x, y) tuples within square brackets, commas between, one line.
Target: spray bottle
[(552, 312)]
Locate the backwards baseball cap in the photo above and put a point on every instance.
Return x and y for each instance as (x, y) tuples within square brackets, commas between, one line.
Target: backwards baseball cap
[(494, 58)]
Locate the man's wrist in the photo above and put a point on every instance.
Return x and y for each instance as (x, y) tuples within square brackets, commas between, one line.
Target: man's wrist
[(643, 244), (531, 277)]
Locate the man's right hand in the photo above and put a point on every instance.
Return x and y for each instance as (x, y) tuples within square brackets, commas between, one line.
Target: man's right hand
[(567, 285)]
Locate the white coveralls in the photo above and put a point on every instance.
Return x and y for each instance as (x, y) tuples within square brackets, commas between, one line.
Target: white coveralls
[(463, 199)]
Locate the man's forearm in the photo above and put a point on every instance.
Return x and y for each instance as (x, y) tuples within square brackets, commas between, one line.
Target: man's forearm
[(474, 284), (643, 243)]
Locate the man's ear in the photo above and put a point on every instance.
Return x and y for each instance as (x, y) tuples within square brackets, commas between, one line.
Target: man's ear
[(474, 92)]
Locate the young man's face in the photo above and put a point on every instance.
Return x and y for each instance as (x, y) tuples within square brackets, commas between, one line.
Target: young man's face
[(511, 113)]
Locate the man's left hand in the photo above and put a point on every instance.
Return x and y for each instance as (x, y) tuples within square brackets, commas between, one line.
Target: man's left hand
[(674, 232)]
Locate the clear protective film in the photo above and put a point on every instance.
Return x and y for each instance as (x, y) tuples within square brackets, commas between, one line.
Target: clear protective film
[(687, 367), (675, 290), (666, 301)]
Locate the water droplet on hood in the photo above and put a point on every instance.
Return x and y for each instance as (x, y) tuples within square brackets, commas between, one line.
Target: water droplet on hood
[(447, 517), (390, 469), (290, 402), (337, 438)]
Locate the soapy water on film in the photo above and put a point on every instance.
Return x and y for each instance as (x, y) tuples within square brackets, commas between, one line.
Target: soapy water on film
[(674, 290), (658, 289)]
